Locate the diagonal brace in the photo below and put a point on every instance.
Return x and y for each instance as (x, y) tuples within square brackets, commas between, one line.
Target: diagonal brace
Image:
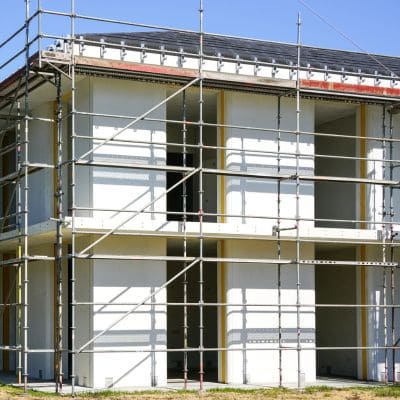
[(109, 233), (122, 317), (139, 118)]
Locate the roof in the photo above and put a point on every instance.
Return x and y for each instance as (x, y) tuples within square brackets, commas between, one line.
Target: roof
[(248, 49)]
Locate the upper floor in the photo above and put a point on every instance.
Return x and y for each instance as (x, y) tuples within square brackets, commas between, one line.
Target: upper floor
[(334, 170)]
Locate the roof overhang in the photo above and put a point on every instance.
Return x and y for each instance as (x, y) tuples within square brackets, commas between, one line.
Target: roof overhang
[(50, 62)]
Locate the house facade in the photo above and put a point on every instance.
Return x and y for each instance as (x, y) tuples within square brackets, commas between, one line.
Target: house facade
[(199, 207)]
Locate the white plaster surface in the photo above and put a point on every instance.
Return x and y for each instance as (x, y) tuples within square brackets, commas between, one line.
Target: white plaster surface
[(257, 326), (128, 189), (252, 196), (129, 282)]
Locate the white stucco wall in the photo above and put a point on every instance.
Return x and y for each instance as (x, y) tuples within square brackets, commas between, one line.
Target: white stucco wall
[(126, 282), (254, 196), (376, 318), (257, 326), (128, 189)]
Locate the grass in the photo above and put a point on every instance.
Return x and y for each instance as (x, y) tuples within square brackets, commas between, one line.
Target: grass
[(18, 392), (271, 392), (387, 391), (309, 393), (318, 389), (139, 393)]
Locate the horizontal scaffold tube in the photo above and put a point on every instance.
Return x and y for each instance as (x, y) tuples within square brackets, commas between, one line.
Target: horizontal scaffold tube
[(255, 175), (235, 260)]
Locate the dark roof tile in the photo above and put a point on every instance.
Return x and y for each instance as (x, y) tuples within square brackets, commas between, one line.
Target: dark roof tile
[(247, 49)]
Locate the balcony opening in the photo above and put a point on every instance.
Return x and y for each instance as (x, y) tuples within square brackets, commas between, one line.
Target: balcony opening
[(335, 202), (175, 149)]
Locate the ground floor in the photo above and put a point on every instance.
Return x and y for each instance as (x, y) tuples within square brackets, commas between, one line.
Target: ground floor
[(334, 388), (146, 312)]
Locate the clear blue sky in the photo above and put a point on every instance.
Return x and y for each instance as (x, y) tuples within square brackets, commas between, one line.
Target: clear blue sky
[(372, 24)]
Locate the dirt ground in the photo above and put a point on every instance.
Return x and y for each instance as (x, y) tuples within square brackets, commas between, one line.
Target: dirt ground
[(8, 392)]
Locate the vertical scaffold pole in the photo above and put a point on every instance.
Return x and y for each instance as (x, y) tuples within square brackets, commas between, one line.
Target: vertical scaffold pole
[(391, 238), (298, 329), (384, 247), (201, 211), (184, 220), (19, 246), (40, 33), (73, 200), (279, 249), (59, 240), (25, 282)]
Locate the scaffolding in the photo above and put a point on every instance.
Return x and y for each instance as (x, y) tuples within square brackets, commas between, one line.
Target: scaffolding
[(15, 226)]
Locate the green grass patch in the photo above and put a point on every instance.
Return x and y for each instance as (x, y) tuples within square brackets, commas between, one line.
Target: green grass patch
[(387, 391), (116, 393), (101, 393), (350, 393), (268, 391), (320, 389), (19, 392)]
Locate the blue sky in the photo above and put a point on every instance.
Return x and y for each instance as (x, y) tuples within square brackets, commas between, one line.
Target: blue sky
[(371, 24)]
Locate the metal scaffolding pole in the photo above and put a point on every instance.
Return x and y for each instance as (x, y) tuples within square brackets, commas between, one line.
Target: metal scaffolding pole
[(25, 167), (298, 283), (209, 304), (19, 247), (40, 33), (384, 250), (232, 350), (59, 241), (184, 220), (201, 239), (230, 215), (279, 248), (73, 200), (392, 270)]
